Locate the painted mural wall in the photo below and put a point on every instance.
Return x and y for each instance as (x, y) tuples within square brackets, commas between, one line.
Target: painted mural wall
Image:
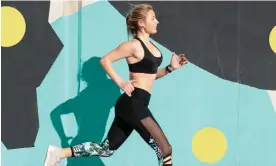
[(220, 109)]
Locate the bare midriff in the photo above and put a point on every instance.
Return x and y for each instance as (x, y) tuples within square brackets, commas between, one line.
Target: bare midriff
[(143, 80)]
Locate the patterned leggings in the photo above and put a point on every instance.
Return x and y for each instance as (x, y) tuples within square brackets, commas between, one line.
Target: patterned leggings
[(131, 113)]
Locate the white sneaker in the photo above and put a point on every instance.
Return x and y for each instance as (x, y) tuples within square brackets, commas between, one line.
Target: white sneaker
[(52, 156)]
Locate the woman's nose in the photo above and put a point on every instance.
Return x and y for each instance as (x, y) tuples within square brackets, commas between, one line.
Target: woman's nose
[(157, 22)]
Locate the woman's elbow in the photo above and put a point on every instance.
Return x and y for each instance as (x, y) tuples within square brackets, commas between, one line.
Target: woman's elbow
[(103, 60)]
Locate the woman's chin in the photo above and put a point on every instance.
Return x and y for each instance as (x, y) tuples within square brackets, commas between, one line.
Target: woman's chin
[(154, 32)]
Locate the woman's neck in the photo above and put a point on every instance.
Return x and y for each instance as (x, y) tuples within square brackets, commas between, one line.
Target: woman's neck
[(143, 36)]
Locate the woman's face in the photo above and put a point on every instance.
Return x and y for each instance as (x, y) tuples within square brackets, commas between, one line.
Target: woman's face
[(150, 23)]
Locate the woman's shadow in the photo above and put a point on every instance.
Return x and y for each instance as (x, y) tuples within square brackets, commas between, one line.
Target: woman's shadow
[(91, 109)]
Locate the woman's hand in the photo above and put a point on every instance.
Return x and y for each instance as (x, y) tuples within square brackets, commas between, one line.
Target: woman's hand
[(178, 61), (127, 87)]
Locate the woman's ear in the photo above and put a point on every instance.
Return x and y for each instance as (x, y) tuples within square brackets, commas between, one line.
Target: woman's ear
[(141, 24)]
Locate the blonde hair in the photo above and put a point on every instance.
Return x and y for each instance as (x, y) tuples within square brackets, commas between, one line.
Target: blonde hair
[(138, 13)]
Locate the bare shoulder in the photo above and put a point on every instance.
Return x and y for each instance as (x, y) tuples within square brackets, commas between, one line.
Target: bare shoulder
[(130, 44), (136, 43), (126, 49)]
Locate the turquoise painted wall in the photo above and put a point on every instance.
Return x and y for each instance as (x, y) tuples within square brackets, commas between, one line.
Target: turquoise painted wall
[(183, 103)]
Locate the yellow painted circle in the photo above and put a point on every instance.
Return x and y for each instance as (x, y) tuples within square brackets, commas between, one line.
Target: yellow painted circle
[(209, 145), (272, 39), (13, 26)]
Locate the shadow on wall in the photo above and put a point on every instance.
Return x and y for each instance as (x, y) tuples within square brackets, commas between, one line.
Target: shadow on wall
[(91, 109)]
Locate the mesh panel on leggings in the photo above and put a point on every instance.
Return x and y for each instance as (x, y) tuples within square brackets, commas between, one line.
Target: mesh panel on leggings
[(156, 132)]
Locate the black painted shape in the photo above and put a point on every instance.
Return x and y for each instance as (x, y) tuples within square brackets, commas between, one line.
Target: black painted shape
[(227, 39), (24, 66)]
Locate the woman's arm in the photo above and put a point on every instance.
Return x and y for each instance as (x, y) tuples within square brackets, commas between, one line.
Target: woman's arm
[(163, 72), (124, 50), (176, 63)]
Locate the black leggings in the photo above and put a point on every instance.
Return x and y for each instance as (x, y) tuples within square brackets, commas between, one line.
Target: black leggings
[(131, 113)]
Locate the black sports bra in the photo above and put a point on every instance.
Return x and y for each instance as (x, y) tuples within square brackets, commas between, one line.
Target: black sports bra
[(149, 64)]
